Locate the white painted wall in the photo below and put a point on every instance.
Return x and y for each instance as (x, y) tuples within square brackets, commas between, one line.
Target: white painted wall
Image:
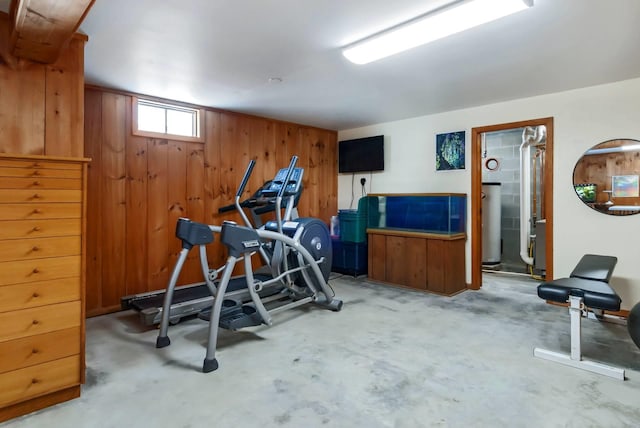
[(582, 118)]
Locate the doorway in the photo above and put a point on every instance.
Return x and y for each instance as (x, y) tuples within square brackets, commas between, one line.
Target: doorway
[(545, 184)]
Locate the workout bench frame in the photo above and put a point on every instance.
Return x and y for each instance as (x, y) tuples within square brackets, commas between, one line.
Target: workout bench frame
[(588, 282), (575, 359)]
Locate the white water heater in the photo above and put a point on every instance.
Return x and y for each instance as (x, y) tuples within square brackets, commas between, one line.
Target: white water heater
[(491, 215)]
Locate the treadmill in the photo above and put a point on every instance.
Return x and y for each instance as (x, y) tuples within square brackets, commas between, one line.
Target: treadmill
[(187, 300), (191, 299)]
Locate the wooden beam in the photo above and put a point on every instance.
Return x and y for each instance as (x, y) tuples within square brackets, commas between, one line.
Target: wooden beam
[(42, 28), (5, 52)]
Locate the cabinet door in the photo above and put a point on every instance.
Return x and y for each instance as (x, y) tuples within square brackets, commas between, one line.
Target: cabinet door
[(416, 262), (397, 260), (455, 274), (377, 257), (437, 265)]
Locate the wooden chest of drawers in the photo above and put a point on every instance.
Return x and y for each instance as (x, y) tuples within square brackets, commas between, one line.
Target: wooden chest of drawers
[(42, 221)]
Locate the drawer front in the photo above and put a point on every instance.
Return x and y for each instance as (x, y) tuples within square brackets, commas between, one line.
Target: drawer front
[(39, 211), (29, 351), (41, 379), (75, 173), (39, 183), (39, 196), (45, 319), (39, 164), (22, 271), (25, 249), (33, 294), (20, 229)]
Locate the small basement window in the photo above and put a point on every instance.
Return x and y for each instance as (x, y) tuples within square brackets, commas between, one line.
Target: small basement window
[(155, 119)]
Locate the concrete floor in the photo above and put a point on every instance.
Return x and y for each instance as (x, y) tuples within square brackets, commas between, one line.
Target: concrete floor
[(390, 358)]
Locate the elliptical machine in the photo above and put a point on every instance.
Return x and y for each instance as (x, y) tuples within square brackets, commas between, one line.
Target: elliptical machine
[(300, 263), (191, 299)]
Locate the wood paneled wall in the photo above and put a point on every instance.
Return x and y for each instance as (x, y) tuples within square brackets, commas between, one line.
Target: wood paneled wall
[(41, 106), (139, 187)]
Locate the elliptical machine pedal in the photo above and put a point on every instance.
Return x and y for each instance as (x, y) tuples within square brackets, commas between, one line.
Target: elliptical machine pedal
[(234, 315)]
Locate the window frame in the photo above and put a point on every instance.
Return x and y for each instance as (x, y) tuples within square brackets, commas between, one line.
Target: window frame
[(176, 106)]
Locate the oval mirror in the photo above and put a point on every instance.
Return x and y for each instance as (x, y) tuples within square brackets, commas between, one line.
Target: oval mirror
[(606, 177)]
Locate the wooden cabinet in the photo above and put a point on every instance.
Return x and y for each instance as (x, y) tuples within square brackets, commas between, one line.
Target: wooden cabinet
[(422, 261), (42, 205)]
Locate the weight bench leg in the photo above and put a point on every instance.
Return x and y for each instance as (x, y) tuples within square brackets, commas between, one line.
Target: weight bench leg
[(575, 313), (575, 359)]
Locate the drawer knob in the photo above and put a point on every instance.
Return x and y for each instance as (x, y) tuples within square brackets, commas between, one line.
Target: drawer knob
[(36, 196), (36, 211), (36, 173), (34, 351), (36, 183), (35, 270), (35, 248), (34, 381), (36, 295), (36, 229), (35, 322)]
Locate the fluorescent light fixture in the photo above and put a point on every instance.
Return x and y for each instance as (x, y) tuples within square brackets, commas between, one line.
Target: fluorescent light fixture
[(435, 25)]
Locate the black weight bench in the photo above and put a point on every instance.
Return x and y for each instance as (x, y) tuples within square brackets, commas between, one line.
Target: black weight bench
[(587, 288)]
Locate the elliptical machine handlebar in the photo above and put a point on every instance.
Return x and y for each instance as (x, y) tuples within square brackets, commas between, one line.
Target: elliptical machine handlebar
[(245, 178), (243, 185), (292, 166), (227, 208), (283, 188), (286, 184)]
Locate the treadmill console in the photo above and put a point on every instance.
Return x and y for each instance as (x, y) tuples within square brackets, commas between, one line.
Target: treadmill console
[(292, 187)]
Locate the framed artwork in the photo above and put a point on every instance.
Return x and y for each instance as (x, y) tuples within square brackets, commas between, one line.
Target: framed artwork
[(624, 186), (450, 151)]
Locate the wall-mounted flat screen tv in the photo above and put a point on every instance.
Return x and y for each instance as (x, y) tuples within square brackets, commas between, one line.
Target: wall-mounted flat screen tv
[(361, 155)]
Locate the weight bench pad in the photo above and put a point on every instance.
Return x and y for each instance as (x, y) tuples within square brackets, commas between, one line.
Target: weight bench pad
[(594, 267), (595, 294)]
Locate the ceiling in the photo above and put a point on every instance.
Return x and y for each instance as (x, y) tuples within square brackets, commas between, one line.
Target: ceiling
[(222, 53)]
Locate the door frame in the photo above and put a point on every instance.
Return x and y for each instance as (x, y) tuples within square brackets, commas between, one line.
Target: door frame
[(476, 193)]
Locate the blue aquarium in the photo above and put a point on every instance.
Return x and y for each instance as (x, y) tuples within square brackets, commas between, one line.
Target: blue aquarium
[(443, 213)]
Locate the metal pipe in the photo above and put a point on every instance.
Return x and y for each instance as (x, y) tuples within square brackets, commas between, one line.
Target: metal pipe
[(525, 193), (534, 208), (531, 137), (543, 212)]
